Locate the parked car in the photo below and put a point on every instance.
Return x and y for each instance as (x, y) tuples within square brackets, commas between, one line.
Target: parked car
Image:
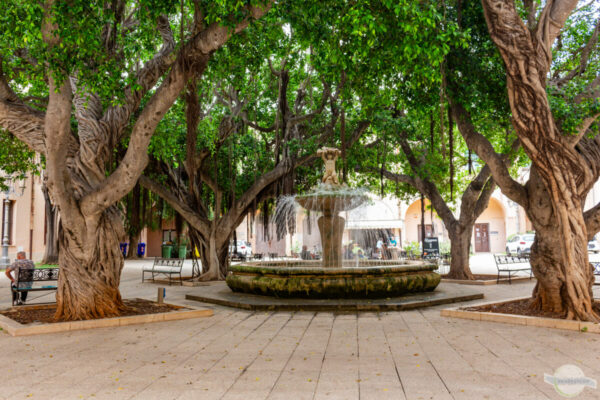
[(244, 248), (593, 246), (520, 244)]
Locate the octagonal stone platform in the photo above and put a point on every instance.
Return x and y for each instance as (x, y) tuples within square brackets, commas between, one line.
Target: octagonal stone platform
[(445, 293)]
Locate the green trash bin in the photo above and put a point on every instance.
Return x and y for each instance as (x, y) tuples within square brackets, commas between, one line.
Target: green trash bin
[(182, 251), (166, 250)]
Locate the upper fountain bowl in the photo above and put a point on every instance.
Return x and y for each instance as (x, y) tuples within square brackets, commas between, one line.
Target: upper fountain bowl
[(331, 199)]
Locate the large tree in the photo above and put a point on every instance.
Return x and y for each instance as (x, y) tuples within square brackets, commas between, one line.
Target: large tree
[(436, 160), (245, 136), (476, 188), (553, 87), (95, 66)]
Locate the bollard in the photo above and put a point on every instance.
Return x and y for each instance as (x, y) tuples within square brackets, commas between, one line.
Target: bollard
[(161, 295)]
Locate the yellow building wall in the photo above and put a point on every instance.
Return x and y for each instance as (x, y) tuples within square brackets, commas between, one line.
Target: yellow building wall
[(28, 220), (494, 216)]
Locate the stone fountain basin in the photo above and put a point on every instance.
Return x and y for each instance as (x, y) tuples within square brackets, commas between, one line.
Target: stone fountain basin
[(305, 279), (330, 202)]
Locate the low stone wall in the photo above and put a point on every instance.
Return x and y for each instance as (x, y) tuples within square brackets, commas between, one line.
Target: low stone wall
[(307, 280)]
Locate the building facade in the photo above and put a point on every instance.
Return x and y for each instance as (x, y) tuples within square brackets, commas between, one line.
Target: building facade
[(386, 218)]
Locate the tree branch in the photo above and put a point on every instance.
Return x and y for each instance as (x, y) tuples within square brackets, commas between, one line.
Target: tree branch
[(551, 21), (191, 216), (194, 54), (245, 201), (585, 55), (476, 141), (592, 221), (582, 129), (26, 123)]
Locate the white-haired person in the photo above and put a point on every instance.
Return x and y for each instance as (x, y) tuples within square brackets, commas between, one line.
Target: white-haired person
[(20, 263)]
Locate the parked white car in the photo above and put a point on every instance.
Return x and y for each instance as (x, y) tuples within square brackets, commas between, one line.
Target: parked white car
[(243, 248), (593, 246), (520, 244)]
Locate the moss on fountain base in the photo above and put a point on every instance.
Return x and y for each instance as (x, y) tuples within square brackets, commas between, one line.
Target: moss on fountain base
[(305, 280)]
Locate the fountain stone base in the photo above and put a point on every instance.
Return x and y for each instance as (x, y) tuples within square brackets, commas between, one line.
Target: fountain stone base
[(371, 279)]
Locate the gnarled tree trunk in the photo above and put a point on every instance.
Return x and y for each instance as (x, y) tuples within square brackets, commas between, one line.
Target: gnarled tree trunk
[(563, 168), (213, 254), (562, 286), (460, 243), (91, 265)]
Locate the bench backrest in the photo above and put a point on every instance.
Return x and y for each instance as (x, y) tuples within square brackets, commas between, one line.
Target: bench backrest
[(27, 275), (168, 262), (502, 259)]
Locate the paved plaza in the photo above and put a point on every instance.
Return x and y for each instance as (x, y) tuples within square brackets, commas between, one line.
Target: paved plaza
[(239, 354)]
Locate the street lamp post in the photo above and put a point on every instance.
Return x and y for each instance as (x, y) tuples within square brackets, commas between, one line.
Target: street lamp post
[(17, 191), (5, 261)]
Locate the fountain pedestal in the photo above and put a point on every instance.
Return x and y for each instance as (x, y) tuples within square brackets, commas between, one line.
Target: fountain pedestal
[(331, 228)]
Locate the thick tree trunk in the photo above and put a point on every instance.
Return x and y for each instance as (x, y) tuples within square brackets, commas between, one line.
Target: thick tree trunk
[(88, 284), (51, 252), (562, 173), (133, 244), (135, 226), (460, 242), (213, 257), (559, 257)]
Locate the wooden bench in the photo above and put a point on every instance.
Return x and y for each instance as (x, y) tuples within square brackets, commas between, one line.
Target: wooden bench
[(27, 277), (504, 262), (237, 257), (165, 266), (596, 266)]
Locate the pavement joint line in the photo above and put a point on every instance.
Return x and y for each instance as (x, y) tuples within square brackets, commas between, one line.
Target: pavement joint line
[(427, 355), (513, 345), (324, 354), (292, 353), (53, 378), (65, 354), (217, 338), (393, 360), (226, 353), (191, 355), (511, 368), (358, 356), (269, 341)]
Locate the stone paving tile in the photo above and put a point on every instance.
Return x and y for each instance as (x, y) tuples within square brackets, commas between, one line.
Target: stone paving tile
[(239, 354)]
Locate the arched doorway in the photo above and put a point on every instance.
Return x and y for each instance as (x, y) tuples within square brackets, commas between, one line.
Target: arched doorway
[(412, 222), (489, 232)]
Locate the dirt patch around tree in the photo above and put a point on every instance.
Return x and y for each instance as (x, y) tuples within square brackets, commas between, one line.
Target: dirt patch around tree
[(520, 307), (28, 315)]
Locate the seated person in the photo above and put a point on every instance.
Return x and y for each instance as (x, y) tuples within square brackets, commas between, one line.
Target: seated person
[(305, 255), (20, 262)]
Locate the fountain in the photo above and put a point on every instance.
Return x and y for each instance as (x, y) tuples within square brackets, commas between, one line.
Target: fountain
[(333, 277)]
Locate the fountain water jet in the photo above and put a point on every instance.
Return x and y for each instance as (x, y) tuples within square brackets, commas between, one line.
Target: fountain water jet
[(332, 278)]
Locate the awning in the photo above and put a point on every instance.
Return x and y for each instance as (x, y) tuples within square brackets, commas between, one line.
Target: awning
[(374, 224)]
